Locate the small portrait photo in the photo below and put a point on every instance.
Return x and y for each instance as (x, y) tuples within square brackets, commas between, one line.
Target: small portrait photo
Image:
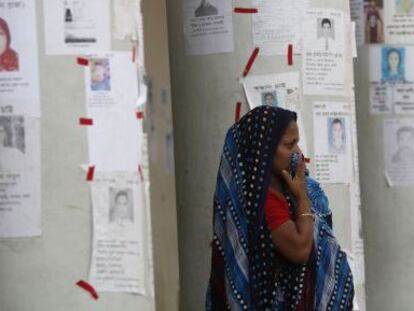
[(393, 64), (336, 135), (325, 30), (206, 8), (100, 74), (121, 209), (405, 7), (77, 25), (12, 143), (269, 98), (373, 21), (9, 59), (12, 133), (404, 155)]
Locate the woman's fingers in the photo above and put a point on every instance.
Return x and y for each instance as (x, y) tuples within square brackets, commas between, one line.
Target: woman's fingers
[(286, 176), (301, 168)]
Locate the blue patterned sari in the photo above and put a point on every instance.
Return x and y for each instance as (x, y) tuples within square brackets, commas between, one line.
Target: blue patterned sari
[(246, 273)]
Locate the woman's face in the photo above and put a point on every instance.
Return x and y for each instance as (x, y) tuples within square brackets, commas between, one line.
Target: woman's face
[(287, 146), (394, 61), (3, 41)]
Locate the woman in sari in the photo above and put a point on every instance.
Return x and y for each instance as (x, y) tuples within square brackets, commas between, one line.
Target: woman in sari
[(273, 246)]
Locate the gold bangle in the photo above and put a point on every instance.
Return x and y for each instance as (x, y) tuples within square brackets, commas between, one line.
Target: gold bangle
[(307, 215)]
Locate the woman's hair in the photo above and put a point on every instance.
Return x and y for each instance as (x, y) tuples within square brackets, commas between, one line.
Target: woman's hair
[(326, 21)]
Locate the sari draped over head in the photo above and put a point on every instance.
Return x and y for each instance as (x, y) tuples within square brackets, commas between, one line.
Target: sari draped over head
[(8, 59), (245, 274)]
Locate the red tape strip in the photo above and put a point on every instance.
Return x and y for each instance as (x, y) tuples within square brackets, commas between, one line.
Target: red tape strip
[(90, 173), (89, 288), (245, 10), (83, 61), (140, 115), (237, 113), (134, 52), (290, 54), (85, 121), (250, 62)]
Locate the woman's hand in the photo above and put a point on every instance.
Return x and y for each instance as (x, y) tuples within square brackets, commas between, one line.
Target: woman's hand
[(297, 185)]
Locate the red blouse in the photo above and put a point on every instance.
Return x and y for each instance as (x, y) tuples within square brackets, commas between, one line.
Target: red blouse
[(276, 210)]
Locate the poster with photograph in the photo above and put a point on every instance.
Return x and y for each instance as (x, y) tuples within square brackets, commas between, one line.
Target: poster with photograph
[(332, 142), (208, 26), (399, 151), (324, 52), (19, 77), (19, 176), (278, 24), (111, 82), (119, 227), (276, 90), (399, 21), (115, 140), (79, 26), (391, 80)]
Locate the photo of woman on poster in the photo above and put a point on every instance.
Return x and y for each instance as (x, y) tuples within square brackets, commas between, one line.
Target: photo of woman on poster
[(9, 60)]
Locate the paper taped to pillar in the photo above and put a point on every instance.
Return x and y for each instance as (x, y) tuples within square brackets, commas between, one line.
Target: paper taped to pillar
[(277, 90), (208, 26), (324, 52), (399, 151), (391, 80), (19, 77), (278, 24), (19, 176), (399, 21), (118, 258), (115, 141), (77, 26), (111, 82), (332, 142), (357, 15)]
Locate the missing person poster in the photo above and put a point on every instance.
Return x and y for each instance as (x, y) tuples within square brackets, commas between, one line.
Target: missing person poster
[(391, 80), (399, 21), (19, 81), (277, 90), (208, 26), (111, 81), (119, 253), (332, 142), (324, 52), (79, 26), (399, 151), (278, 24), (19, 176)]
